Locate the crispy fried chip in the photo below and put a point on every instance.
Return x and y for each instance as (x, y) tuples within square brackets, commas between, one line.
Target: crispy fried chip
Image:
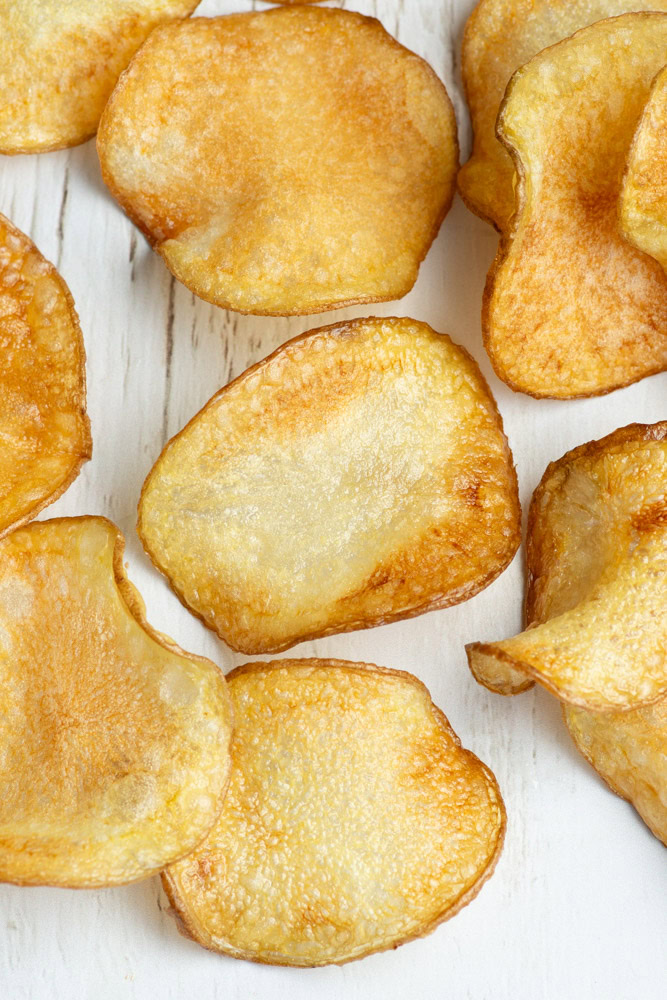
[(644, 194), (572, 308), (501, 36), (44, 430), (60, 60), (269, 195), (354, 820), (357, 476), (114, 743), (597, 563)]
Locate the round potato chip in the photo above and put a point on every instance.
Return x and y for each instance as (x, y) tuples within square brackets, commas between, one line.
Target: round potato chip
[(267, 196), (571, 308), (60, 60), (500, 36), (357, 476), (354, 820), (44, 430), (114, 743), (644, 194)]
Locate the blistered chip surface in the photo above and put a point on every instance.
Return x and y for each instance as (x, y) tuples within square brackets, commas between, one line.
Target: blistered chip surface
[(354, 819), (282, 162), (44, 430), (114, 743), (357, 476)]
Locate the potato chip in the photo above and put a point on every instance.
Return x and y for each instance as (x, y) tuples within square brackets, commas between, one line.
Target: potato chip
[(44, 430), (500, 36), (358, 476), (644, 193), (354, 820), (114, 743), (628, 750), (268, 196), (597, 564), (571, 308), (59, 61)]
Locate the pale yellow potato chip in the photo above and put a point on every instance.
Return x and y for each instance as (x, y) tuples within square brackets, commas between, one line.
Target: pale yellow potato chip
[(44, 430), (597, 564), (500, 36), (114, 743), (283, 162), (354, 820), (644, 193), (571, 308), (60, 60), (358, 476)]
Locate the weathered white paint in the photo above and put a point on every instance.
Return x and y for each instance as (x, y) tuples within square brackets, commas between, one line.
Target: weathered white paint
[(576, 909)]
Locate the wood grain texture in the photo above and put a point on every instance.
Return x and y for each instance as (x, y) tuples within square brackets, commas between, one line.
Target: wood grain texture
[(576, 906)]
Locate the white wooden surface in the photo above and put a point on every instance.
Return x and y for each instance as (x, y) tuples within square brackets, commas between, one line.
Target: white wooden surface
[(577, 906)]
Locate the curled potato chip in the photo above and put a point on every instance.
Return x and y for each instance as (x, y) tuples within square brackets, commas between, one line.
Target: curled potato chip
[(357, 476), (44, 430), (500, 36), (114, 743), (597, 564), (354, 820), (267, 196), (571, 308), (59, 61), (644, 194)]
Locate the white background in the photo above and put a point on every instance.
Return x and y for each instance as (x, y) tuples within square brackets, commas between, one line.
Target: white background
[(577, 907)]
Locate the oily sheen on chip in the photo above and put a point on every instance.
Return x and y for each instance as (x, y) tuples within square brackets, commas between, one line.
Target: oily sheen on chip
[(60, 60), (354, 820), (44, 429), (571, 308), (282, 162), (114, 743), (644, 194), (357, 476), (501, 36), (594, 510)]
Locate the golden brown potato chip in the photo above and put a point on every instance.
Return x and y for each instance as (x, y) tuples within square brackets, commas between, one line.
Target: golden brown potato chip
[(644, 194), (597, 564), (354, 820), (572, 308), (114, 743), (501, 36), (44, 430), (283, 162), (60, 60), (628, 750), (357, 476)]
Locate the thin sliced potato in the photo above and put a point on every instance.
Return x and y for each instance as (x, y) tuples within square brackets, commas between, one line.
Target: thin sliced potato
[(627, 749), (597, 564), (358, 476), (500, 36), (269, 195), (44, 430), (354, 821), (114, 743), (571, 308), (60, 60), (644, 194)]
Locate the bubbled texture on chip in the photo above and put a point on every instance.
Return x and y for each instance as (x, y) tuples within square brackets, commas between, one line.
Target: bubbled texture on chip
[(114, 743), (501, 36), (60, 60), (283, 162), (571, 307), (354, 820), (44, 430), (644, 194), (359, 475)]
